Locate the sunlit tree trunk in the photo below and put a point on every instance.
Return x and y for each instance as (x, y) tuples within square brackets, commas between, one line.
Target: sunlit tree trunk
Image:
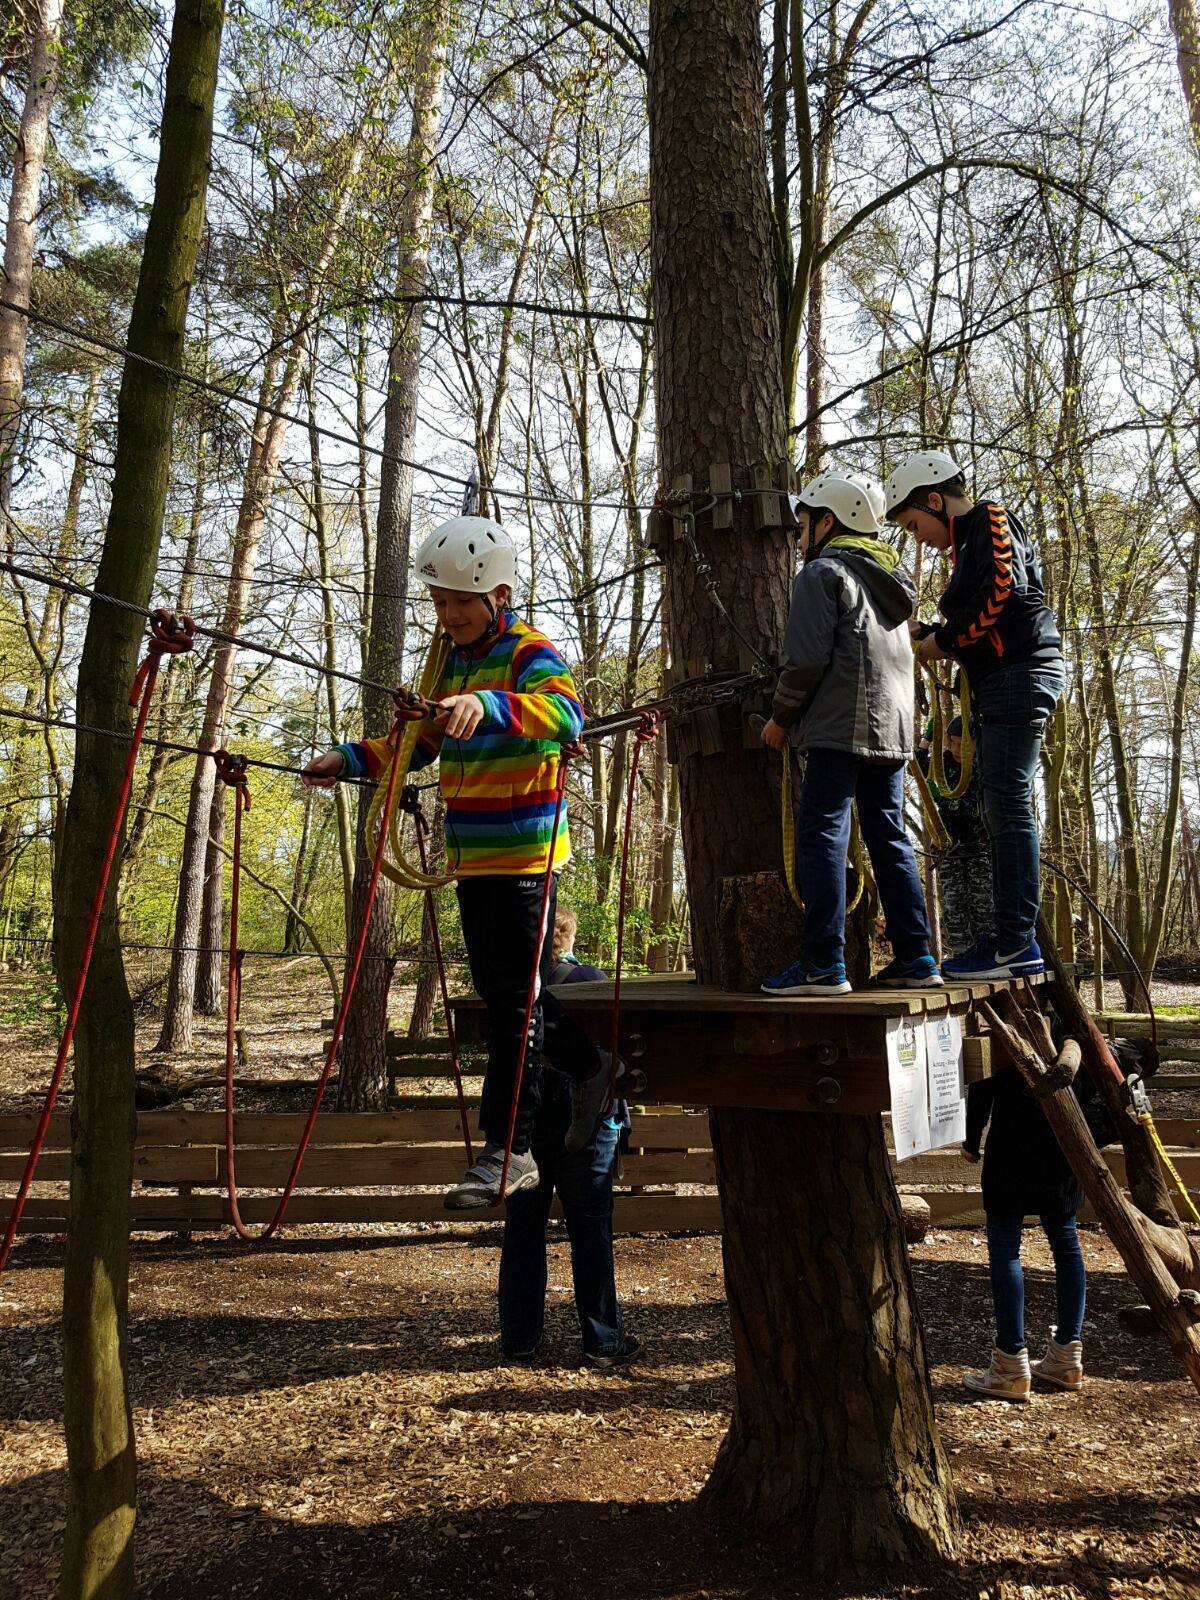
[(101, 1478)]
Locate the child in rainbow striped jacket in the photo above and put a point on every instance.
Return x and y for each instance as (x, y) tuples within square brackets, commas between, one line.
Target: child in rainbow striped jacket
[(509, 706)]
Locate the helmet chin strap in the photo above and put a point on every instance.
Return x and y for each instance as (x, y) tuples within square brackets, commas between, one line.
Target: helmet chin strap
[(489, 631)]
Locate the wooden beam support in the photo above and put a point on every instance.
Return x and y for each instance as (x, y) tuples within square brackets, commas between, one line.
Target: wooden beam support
[(1124, 1226)]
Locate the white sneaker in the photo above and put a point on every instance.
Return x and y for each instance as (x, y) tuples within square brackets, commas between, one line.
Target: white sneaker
[(1007, 1378), (1062, 1365)]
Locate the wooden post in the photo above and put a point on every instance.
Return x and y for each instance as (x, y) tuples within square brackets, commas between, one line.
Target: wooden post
[(1050, 1078)]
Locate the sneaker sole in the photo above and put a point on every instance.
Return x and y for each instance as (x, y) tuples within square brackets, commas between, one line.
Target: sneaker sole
[(800, 990), (936, 982), (1059, 1383), (985, 1393), (995, 974)]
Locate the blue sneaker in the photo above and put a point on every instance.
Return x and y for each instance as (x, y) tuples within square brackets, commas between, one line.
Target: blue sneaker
[(800, 980), (921, 973), (987, 963)]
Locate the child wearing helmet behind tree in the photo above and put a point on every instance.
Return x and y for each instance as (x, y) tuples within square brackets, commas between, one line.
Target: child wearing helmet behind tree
[(845, 696), (997, 625), (508, 706)]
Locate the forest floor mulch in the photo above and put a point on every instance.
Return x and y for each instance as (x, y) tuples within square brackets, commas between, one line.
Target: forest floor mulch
[(330, 1417)]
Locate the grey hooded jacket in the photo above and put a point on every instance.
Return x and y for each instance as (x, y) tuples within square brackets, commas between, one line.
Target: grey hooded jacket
[(848, 680)]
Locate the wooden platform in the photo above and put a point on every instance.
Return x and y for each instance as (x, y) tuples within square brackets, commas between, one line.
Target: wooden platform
[(695, 1045)]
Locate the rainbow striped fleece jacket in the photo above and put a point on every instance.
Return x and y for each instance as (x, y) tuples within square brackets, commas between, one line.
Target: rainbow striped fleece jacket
[(498, 785)]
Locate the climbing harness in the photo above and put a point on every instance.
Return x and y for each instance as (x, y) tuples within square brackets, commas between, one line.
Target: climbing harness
[(939, 836), (410, 803), (404, 712), (645, 734), (568, 751), (169, 636)]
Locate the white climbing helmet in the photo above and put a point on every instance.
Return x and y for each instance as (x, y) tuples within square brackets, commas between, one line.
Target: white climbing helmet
[(470, 554), (855, 498), (921, 469)]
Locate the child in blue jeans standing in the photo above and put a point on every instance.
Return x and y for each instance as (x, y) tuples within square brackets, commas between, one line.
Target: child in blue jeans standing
[(845, 697), (1025, 1174)]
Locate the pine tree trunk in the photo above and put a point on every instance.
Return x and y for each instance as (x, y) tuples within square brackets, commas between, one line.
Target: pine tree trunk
[(20, 236), (362, 1079), (834, 1445), (101, 1482)]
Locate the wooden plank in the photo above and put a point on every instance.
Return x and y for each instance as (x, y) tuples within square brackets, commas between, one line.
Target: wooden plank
[(430, 1119), (418, 1067), (1134, 1024), (1170, 1082), (720, 482), (648, 1213), (182, 1165)]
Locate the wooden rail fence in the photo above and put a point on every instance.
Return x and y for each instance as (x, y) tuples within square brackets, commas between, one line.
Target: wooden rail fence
[(366, 1167)]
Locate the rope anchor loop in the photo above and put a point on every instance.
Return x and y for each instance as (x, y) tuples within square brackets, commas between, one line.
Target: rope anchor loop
[(170, 635), (233, 772), (411, 706)]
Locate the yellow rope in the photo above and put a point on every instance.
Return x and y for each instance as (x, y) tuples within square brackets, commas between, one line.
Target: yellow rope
[(857, 861), (937, 766), (1147, 1122), (399, 868), (939, 837)]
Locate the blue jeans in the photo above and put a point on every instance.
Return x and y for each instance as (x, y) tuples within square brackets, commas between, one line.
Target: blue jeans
[(584, 1180), (1008, 1281), (832, 779), (1012, 707), (501, 917)]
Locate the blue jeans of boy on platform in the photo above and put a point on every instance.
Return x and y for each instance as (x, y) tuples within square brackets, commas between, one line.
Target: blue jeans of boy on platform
[(832, 780), (501, 916), (584, 1181), (1012, 707), (1008, 1281)]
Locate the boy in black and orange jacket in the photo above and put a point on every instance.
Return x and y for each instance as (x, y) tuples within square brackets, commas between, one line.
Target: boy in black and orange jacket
[(995, 623)]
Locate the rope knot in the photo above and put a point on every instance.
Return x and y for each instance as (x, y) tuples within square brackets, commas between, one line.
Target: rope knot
[(648, 727), (232, 771), (410, 801), (411, 706), (170, 635)]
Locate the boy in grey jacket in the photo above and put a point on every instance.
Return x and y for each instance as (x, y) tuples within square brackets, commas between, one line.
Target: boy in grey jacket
[(845, 697)]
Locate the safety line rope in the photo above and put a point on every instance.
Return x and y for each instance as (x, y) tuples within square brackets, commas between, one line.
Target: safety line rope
[(169, 636)]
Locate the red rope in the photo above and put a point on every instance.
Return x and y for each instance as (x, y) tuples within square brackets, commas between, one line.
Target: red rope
[(646, 732), (339, 1022), (169, 636), (534, 984), (410, 800)]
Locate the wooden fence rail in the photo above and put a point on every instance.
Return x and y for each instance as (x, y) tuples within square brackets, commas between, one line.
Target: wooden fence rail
[(179, 1169)]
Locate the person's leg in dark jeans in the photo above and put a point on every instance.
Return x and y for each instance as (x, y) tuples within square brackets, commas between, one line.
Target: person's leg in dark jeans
[(500, 922), (522, 1294), (584, 1181), (879, 791), (822, 840), (1012, 708), (1008, 1281), (1070, 1278)]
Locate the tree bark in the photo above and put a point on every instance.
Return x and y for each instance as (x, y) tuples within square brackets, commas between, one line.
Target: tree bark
[(29, 160), (101, 1482), (200, 864), (1185, 25), (362, 1075), (834, 1445)]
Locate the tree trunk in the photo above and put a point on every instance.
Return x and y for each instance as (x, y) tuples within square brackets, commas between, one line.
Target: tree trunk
[(1185, 24), (101, 1481), (362, 1079), (834, 1444), (345, 825), (29, 160), (46, 644), (209, 986), (199, 864)]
